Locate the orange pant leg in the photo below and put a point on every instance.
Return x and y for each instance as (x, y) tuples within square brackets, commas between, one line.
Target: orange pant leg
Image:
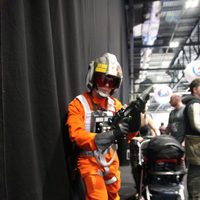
[(113, 188), (97, 190), (95, 187)]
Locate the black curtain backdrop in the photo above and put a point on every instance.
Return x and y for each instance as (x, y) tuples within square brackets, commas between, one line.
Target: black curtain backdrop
[(46, 46)]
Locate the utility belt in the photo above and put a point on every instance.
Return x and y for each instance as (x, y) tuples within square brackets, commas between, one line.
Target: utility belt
[(101, 156), (192, 149), (91, 153)]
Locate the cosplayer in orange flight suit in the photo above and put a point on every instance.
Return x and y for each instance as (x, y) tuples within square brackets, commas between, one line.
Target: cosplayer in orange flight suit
[(101, 177)]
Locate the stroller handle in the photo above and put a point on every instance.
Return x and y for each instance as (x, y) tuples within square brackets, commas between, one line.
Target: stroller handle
[(141, 146)]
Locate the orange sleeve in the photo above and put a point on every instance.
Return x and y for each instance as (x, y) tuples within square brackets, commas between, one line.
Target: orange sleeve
[(77, 132)]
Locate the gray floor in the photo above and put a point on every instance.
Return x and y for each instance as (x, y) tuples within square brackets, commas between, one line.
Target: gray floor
[(127, 183)]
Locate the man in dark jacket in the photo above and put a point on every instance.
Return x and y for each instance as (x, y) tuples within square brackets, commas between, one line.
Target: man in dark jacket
[(192, 139), (175, 125)]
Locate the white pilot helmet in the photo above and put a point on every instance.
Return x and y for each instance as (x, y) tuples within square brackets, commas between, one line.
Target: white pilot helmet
[(105, 66)]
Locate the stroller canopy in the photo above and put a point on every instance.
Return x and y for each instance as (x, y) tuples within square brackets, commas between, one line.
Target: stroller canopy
[(164, 147)]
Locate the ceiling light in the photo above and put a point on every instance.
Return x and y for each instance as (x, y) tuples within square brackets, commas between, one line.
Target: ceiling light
[(191, 4), (174, 44)]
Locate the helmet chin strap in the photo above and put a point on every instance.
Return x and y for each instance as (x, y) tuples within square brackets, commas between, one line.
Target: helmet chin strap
[(102, 94)]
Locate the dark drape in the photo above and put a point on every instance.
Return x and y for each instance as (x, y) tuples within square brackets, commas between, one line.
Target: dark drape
[(46, 46)]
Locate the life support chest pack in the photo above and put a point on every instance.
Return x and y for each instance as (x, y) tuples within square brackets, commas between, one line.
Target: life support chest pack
[(97, 121)]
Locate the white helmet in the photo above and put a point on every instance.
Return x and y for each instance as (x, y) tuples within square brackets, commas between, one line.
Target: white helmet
[(108, 66)]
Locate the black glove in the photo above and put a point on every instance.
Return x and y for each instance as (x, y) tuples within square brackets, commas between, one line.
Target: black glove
[(135, 122), (105, 139), (122, 129), (136, 108), (139, 105)]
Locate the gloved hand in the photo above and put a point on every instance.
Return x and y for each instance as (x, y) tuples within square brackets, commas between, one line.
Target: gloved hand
[(122, 129), (139, 105), (105, 139), (135, 122), (134, 112)]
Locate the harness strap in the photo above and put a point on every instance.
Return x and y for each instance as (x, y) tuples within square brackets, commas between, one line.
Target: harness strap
[(84, 102), (109, 181), (91, 153), (87, 110), (100, 157)]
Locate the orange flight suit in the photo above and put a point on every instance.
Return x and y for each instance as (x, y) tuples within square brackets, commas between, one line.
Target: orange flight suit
[(96, 189)]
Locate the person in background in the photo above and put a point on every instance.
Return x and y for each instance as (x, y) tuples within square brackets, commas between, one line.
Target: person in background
[(175, 125), (148, 126), (89, 128), (162, 128), (192, 139)]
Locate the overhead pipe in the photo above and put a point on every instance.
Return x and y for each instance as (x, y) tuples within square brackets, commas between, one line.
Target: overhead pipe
[(164, 45), (159, 69)]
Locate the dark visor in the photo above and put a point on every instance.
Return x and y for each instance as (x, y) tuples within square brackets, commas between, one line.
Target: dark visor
[(102, 79)]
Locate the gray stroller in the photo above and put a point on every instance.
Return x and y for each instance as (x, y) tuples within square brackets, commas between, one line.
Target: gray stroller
[(162, 168)]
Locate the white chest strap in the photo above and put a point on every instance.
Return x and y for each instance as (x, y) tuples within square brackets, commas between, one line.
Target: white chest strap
[(87, 110), (84, 102)]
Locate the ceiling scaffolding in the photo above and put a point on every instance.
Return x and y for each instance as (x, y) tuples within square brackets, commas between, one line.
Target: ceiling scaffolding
[(153, 26)]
